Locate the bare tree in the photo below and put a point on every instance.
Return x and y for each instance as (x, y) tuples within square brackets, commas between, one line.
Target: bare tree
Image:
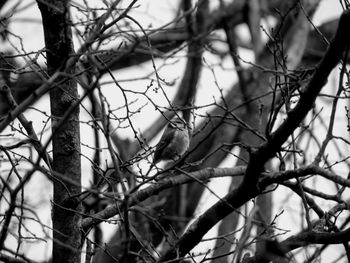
[(278, 132)]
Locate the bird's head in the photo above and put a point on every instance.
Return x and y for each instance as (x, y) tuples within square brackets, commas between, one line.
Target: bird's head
[(178, 122)]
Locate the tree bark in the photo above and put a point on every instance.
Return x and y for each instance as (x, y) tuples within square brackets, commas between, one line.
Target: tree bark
[(65, 135)]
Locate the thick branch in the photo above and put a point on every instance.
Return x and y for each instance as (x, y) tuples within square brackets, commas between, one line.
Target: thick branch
[(65, 138), (249, 187), (169, 182)]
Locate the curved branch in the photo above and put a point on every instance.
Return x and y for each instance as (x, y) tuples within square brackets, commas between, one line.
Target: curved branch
[(156, 188), (249, 187), (304, 239)]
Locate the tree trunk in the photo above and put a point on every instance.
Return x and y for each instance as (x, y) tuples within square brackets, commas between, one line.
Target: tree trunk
[(65, 134)]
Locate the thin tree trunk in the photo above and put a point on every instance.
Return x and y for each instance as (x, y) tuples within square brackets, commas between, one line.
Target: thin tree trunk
[(66, 136)]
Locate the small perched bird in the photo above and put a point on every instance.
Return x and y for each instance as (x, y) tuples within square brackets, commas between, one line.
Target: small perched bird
[(174, 141)]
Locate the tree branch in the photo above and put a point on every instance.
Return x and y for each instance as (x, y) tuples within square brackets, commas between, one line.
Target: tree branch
[(249, 187)]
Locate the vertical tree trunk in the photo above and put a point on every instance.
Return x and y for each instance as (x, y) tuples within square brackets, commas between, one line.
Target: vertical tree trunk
[(65, 137)]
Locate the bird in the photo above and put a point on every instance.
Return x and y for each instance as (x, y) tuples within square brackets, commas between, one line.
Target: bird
[(174, 142)]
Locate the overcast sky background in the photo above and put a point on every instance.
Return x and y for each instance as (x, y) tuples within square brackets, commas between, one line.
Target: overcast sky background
[(27, 25)]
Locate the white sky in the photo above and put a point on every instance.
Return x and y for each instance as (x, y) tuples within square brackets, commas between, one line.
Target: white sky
[(160, 12)]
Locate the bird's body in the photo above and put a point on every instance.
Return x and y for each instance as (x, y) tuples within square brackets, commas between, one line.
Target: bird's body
[(174, 141)]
